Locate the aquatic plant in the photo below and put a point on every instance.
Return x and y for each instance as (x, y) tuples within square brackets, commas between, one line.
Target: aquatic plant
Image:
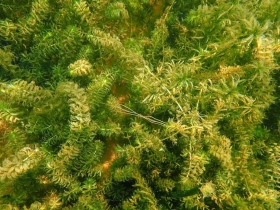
[(139, 104)]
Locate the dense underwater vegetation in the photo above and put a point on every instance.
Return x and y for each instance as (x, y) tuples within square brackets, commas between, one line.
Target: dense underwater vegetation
[(139, 104)]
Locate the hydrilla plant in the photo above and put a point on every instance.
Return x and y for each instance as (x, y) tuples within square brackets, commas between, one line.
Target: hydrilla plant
[(139, 104)]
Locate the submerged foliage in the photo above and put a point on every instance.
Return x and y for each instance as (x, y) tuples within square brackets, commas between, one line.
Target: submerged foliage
[(138, 104)]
